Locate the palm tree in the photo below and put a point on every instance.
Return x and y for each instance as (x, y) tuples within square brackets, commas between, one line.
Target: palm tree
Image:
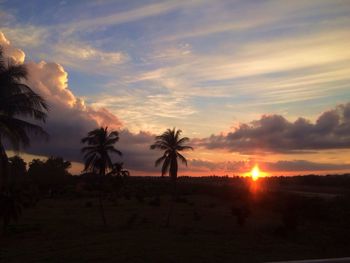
[(18, 103), (171, 143), (100, 143)]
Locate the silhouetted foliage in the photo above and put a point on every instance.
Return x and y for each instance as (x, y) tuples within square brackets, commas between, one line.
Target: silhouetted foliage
[(118, 170), (172, 144), (50, 173), (17, 100), (97, 154), (18, 169)]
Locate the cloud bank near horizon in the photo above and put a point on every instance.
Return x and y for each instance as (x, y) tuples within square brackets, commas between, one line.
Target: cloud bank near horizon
[(274, 133)]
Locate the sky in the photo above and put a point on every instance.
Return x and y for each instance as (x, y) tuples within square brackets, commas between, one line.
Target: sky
[(249, 82)]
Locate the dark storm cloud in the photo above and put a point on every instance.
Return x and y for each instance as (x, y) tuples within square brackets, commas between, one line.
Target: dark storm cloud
[(274, 133), (136, 152)]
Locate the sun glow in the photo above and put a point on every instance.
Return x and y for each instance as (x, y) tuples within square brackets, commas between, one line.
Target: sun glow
[(255, 173)]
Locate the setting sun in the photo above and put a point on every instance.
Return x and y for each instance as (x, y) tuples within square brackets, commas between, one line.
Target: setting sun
[(255, 173)]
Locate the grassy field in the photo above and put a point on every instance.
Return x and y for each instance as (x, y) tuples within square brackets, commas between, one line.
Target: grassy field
[(202, 229)]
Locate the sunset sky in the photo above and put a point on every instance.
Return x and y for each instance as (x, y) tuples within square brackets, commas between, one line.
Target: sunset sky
[(249, 82)]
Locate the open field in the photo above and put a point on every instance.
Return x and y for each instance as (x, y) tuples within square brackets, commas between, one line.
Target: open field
[(68, 228)]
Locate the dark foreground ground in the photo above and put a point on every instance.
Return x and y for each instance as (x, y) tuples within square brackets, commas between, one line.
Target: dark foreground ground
[(203, 226)]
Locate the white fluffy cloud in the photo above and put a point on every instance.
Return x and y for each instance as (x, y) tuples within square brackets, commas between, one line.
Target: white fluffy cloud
[(14, 53), (69, 117)]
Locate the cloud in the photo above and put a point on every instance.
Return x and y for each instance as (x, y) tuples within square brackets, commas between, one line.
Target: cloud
[(238, 18), (15, 54), (84, 57), (274, 71), (69, 117), (274, 133), (26, 35), (137, 155), (135, 14), (200, 64), (138, 106)]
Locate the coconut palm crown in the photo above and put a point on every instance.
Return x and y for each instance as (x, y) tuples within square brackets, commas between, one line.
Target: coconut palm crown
[(100, 143), (171, 143)]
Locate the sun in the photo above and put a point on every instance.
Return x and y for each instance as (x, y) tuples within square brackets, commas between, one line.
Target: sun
[(255, 173)]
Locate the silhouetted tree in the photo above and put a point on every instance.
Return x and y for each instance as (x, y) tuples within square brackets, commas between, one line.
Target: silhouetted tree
[(18, 166), (118, 170), (17, 169), (35, 167), (171, 143), (57, 165), (18, 103), (51, 173), (100, 143), (17, 100)]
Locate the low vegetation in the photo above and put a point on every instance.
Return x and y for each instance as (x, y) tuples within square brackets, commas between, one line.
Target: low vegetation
[(214, 219)]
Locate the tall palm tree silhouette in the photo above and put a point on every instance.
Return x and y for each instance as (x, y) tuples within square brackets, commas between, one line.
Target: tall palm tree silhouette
[(18, 103), (100, 143), (171, 143)]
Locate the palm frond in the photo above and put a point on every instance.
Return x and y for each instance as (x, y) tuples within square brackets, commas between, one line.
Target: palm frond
[(183, 140), (182, 158), (100, 143), (18, 100), (184, 148), (114, 150), (165, 166), (16, 131), (160, 160), (14, 72), (170, 142)]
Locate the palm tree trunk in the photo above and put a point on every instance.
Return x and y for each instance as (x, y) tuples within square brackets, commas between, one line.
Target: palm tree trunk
[(173, 178), (170, 211), (102, 211), (100, 197), (3, 168), (173, 200), (173, 174)]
